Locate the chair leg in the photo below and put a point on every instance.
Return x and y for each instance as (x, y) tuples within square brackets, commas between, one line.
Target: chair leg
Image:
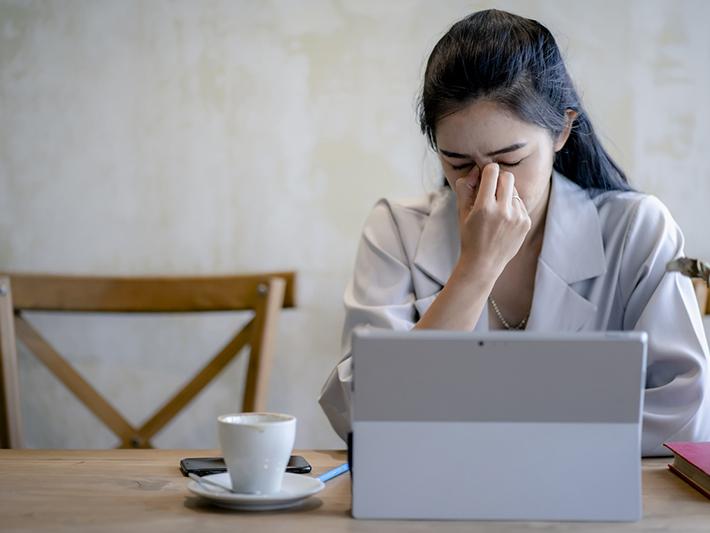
[(10, 421)]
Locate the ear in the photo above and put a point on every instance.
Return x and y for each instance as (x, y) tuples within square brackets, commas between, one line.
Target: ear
[(570, 116)]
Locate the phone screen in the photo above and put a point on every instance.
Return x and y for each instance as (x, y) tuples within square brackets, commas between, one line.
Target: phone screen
[(204, 466)]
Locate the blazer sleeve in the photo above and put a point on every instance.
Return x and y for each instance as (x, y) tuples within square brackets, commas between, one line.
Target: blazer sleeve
[(380, 294), (663, 304)]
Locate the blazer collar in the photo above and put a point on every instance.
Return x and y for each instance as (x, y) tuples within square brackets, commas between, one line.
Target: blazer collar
[(572, 251), (572, 244)]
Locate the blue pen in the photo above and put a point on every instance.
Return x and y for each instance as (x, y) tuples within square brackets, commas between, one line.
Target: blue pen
[(330, 474)]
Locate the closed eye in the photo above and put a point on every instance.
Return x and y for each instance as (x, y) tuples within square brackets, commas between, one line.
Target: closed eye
[(502, 163)]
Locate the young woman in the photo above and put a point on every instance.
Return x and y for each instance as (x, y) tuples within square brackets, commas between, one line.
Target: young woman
[(535, 228)]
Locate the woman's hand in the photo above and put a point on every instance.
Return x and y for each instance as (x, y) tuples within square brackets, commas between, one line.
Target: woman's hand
[(493, 222)]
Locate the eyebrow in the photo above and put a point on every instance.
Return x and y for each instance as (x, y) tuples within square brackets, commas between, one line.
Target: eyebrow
[(511, 148)]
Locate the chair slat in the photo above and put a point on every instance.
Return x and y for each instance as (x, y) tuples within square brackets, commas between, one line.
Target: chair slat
[(72, 380), (183, 397), (39, 292)]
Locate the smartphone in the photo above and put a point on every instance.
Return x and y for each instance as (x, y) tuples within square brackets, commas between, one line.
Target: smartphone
[(203, 466)]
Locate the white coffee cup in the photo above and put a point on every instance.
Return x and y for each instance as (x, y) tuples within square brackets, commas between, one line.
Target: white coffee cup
[(256, 449)]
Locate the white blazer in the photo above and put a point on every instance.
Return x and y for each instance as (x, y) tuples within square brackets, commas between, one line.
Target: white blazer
[(602, 267)]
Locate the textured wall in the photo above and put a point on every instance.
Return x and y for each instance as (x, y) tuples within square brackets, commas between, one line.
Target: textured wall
[(216, 137)]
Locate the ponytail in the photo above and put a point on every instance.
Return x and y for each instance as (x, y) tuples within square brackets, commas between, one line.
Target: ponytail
[(584, 160)]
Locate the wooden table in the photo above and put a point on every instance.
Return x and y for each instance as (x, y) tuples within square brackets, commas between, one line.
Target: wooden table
[(143, 490)]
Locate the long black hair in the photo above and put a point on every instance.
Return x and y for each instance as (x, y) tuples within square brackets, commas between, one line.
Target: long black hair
[(515, 62)]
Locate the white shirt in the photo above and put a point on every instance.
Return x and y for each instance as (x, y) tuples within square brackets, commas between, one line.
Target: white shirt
[(602, 267)]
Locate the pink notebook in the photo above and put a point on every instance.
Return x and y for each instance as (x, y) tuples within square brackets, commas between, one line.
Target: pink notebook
[(692, 463)]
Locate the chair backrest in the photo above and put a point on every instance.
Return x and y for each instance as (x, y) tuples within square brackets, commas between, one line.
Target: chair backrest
[(264, 294)]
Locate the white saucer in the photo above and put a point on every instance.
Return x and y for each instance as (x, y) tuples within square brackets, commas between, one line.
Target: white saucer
[(294, 489)]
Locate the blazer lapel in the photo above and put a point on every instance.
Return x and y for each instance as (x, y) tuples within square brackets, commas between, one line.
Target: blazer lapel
[(438, 248), (572, 251), (556, 306)]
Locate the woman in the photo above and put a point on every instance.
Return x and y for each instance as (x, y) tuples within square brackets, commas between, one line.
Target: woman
[(535, 228)]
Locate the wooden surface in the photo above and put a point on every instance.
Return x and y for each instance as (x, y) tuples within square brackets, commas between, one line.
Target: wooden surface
[(143, 490)]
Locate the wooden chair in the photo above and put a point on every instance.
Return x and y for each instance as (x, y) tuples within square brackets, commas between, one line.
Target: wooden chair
[(264, 294), (701, 293)]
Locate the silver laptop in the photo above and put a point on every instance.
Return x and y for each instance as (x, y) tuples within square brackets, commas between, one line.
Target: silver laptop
[(497, 426)]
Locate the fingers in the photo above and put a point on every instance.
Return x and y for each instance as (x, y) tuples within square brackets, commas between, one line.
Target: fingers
[(495, 227), (517, 201), (508, 197), (498, 187), (489, 184), (494, 187), (506, 194), (465, 187), (518, 205), (506, 189)]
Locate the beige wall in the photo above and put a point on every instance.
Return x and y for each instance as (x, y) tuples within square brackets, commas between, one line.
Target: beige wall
[(216, 137)]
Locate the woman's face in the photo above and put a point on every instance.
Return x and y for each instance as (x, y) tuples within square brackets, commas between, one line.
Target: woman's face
[(485, 132)]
